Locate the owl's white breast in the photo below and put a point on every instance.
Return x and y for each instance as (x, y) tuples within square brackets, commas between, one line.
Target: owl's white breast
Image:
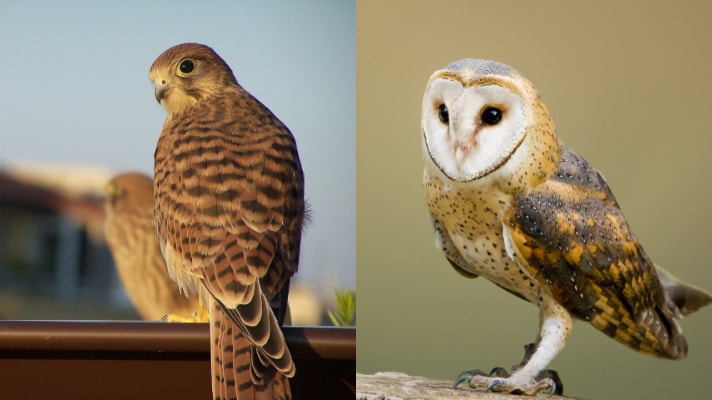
[(472, 216)]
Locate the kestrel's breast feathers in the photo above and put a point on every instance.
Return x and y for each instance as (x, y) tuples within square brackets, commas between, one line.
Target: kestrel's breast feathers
[(574, 239), (237, 201)]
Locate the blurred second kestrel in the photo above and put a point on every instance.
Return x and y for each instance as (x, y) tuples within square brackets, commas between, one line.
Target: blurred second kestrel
[(131, 235)]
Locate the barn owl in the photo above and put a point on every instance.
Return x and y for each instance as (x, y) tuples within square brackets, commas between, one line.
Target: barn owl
[(229, 209), (510, 202)]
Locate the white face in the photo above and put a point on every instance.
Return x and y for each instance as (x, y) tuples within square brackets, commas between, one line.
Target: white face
[(471, 131)]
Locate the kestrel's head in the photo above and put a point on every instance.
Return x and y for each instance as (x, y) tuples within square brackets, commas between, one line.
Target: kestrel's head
[(128, 192), (476, 115), (187, 73)]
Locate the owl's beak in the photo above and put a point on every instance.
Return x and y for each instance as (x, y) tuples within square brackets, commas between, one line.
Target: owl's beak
[(465, 145)]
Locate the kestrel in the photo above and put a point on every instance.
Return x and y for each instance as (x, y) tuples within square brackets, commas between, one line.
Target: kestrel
[(512, 203), (229, 208), (131, 236)]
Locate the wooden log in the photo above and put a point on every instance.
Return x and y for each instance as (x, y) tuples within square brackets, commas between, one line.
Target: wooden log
[(399, 386)]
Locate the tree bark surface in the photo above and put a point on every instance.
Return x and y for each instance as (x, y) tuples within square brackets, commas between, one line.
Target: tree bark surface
[(399, 386)]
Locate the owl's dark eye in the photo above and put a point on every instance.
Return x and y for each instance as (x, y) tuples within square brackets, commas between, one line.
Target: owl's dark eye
[(491, 116), (186, 66), (443, 114)]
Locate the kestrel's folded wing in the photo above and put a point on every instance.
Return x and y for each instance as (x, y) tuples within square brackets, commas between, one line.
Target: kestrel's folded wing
[(571, 235)]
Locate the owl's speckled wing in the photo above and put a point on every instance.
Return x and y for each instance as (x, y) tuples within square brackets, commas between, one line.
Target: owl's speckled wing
[(574, 238)]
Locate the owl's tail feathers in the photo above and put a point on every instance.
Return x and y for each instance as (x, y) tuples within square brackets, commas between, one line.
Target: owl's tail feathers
[(663, 322), (239, 370), (687, 298), (659, 333)]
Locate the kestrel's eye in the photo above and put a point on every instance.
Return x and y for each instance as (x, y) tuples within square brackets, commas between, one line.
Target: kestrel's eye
[(443, 114), (491, 116), (186, 66)]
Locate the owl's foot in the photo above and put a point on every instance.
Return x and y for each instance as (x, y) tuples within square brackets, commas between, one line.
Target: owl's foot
[(499, 380)]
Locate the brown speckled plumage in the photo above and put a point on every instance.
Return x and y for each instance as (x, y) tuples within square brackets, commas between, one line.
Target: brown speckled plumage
[(229, 194), (131, 236), (511, 203), (572, 234)]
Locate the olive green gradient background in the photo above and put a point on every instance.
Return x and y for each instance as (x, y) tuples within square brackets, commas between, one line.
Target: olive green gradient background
[(629, 87)]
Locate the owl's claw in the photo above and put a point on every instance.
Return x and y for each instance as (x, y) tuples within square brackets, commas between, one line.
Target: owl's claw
[(557, 387), (499, 380), (461, 379), (466, 376), (493, 384)]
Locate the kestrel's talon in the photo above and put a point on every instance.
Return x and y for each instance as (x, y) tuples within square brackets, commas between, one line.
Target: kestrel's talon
[(170, 318), (200, 316)]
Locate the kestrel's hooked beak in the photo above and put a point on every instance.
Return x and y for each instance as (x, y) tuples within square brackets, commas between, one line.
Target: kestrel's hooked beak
[(162, 87), (170, 93)]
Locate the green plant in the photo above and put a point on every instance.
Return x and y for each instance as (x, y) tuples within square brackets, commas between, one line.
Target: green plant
[(346, 308)]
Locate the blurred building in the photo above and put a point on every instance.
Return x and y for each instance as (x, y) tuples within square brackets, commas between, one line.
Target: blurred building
[(54, 262)]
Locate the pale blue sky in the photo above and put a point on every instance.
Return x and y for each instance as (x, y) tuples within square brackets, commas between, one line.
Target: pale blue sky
[(74, 89)]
